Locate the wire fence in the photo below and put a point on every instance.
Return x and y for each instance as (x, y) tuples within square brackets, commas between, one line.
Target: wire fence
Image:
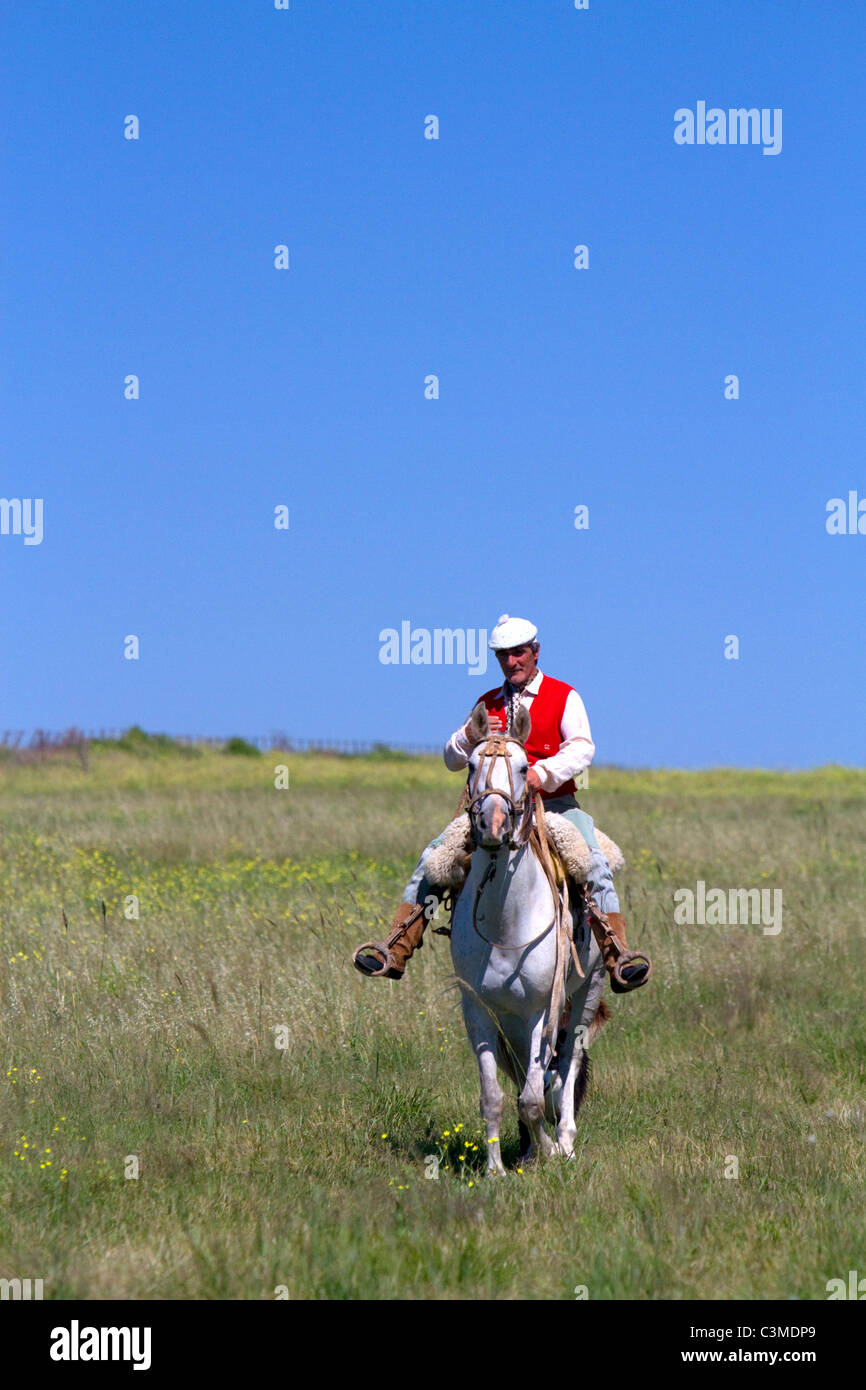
[(43, 741)]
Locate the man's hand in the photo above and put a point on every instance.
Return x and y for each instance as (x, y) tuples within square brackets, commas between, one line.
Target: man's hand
[(533, 781), (496, 722)]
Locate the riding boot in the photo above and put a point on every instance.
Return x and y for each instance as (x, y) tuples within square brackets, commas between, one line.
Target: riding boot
[(627, 969), (405, 937)]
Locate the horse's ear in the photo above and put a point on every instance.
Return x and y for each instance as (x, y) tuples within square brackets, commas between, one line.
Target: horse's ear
[(479, 721), (522, 724)]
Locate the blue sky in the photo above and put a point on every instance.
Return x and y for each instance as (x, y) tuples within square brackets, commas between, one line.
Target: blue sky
[(409, 257)]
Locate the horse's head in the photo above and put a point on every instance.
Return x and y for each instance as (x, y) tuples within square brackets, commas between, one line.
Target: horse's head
[(498, 796)]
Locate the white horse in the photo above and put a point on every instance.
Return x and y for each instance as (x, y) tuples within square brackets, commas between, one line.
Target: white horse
[(504, 949)]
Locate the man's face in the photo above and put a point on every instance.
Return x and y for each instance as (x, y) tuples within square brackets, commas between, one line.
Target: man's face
[(518, 663)]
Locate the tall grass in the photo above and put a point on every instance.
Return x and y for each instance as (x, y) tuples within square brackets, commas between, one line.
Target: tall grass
[(304, 1166)]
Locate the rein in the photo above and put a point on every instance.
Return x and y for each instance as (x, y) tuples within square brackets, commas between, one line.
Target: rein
[(524, 945)]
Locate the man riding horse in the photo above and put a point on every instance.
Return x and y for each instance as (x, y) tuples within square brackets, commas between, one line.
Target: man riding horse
[(558, 748)]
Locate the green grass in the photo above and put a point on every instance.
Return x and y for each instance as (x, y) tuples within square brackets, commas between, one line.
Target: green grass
[(304, 1166)]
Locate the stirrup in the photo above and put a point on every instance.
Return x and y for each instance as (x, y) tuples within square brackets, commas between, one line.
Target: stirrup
[(622, 986), (382, 949), (611, 945)]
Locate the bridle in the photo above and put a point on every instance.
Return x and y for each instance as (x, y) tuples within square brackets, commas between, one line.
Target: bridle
[(495, 747)]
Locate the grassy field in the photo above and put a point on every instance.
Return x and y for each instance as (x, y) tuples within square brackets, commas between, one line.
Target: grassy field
[(303, 1165)]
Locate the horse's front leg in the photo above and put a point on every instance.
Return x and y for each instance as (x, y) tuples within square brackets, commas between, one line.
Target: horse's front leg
[(483, 1035), (530, 1102)]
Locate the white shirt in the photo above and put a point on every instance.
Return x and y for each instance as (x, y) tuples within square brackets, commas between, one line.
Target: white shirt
[(576, 750)]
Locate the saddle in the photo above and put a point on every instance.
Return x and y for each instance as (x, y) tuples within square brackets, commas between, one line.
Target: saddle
[(446, 865)]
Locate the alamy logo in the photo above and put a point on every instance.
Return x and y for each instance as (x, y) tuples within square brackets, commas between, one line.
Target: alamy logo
[(75, 1343), (22, 516), (736, 126), (856, 1287), (847, 520), (444, 646), (741, 907), (18, 1289)]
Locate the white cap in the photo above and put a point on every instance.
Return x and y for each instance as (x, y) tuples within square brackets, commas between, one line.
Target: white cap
[(511, 632)]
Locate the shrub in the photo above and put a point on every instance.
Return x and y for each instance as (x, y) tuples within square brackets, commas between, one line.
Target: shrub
[(145, 745), (241, 747)]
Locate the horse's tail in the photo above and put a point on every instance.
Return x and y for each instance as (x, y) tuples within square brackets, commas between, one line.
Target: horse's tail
[(602, 1014), (581, 1081)]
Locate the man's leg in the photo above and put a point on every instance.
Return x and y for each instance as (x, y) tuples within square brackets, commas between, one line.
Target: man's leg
[(387, 959), (608, 923)]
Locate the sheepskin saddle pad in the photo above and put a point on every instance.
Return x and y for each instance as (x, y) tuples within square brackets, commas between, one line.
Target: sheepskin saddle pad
[(443, 865)]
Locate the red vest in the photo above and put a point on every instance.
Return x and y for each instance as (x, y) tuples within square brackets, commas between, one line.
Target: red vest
[(545, 717)]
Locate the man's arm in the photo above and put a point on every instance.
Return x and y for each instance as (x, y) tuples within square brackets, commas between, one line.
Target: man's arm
[(459, 746), (576, 751)]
